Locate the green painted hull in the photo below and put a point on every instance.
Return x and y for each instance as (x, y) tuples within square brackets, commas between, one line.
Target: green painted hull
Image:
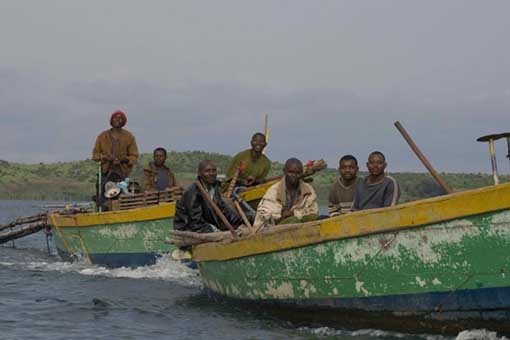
[(129, 244), (451, 274)]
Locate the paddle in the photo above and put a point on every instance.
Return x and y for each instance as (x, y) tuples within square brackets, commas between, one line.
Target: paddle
[(423, 159), (217, 210)]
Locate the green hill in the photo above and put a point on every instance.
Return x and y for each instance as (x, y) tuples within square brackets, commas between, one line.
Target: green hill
[(74, 181)]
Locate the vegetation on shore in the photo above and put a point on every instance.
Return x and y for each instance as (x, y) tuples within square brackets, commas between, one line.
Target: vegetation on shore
[(75, 181)]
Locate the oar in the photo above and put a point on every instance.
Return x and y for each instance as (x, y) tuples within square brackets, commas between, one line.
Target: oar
[(217, 210), (244, 217), (232, 183), (508, 147), (266, 130), (423, 159), (99, 191)]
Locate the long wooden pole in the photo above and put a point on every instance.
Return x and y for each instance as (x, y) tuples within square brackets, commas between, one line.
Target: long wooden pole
[(216, 209), (266, 130), (99, 192), (232, 183), (423, 159), (243, 216)]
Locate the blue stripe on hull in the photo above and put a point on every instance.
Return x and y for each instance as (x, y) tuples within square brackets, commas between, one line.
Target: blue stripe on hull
[(468, 299), (442, 312), (116, 260)]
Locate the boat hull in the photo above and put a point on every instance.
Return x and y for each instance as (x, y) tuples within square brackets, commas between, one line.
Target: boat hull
[(440, 277), (124, 239)]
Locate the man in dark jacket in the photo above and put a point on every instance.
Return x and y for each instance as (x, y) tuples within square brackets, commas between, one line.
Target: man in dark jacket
[(156, 176), (193, 213)]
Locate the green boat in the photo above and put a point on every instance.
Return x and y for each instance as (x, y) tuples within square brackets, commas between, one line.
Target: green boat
[(125, 238), (435, 265)]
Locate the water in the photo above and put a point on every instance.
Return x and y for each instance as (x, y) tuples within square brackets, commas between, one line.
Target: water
[(45, 298)]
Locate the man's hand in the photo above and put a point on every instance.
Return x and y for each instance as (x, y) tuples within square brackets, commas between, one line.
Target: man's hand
[(250, 180), (287, 213)]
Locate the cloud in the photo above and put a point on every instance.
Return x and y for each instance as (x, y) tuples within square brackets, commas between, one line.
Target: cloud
[(58, 120)]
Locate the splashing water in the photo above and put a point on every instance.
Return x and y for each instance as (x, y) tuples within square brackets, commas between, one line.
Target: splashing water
[(165, 269)]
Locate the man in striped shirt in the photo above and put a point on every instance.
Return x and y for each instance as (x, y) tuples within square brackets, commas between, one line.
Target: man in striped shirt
[(378, 189), (342, 192)]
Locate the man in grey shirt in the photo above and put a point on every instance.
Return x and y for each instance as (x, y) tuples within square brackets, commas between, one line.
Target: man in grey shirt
[(377, 190)]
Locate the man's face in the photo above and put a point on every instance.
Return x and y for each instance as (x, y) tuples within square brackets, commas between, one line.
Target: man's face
[(376, 165), (209, 173), (258, 143), (117, 121), (292, 174), (348, 169), (159, 158)]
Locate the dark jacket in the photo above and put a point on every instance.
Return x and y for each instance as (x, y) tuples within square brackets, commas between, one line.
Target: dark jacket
[(194, 214)]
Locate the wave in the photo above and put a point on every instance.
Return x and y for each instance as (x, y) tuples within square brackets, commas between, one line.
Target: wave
[(473, 334), (164, 269)]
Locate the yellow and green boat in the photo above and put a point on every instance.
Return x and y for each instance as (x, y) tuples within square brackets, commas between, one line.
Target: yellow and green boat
[(124, 238), (435, 265)]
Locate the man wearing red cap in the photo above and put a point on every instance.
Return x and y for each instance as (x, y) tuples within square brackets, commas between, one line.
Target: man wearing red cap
[(116, 149)]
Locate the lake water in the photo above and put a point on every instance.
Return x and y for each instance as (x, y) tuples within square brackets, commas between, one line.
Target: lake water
[(42, 297)]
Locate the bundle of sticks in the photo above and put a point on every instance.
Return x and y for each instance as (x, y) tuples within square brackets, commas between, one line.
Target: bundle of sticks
[(190, 238)]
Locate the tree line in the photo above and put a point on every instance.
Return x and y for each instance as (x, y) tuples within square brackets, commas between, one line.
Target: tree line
[(76, 180)]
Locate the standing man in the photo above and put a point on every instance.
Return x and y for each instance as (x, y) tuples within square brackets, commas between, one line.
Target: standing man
[(254, 165), (193, 213), (341, 195), (116, 149), (291, 200), (156, 176), (378, 189)]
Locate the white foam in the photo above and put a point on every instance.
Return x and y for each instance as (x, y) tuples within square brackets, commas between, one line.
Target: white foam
[(474, 334), (479, 334), (327, 331), (164, 269)]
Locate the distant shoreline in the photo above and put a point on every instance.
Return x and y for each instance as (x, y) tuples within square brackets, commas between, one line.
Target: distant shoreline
[(75, 181)]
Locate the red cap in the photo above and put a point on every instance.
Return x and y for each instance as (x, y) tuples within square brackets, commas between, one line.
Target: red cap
[(121, 114)]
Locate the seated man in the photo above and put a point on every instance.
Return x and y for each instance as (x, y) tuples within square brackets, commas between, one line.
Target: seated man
[(289, 201), (341, 195), (254, 165), (156, 176), (377, 190), (193, 213)]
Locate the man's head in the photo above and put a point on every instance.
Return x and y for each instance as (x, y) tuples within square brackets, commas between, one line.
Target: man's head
[(159, 156), (118, 119), (348, 167), (293, 170), (376, 163), (207, 171), (258, 142)]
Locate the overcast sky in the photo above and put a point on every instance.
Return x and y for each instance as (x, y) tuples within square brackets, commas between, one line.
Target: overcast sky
[(199, 75)]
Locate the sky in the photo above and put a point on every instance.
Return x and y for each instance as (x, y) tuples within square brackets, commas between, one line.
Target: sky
[(199, 75)]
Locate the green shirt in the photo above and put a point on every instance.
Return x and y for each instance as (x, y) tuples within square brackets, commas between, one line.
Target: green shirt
[(258, 168)]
